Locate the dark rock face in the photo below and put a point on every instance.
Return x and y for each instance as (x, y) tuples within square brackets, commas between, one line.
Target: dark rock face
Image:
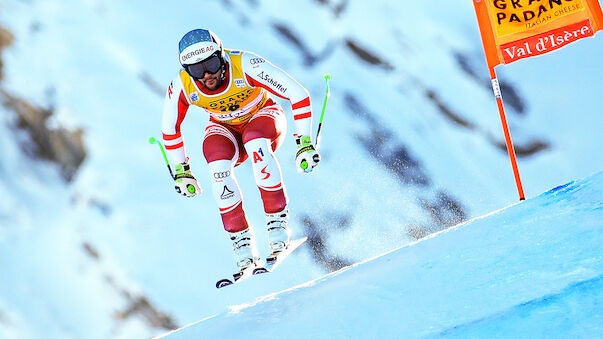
[(382, 145), (6, 38), (317, 230), (367, 56), (59, 145)]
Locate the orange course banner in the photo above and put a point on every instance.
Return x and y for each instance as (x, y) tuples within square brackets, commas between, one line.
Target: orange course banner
[(515, 29)]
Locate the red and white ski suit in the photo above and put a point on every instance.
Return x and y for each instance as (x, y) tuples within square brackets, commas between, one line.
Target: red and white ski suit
[(244, 122)]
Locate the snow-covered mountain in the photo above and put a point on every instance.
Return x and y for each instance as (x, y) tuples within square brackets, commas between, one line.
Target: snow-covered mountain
[(95, 243), (531, 270)]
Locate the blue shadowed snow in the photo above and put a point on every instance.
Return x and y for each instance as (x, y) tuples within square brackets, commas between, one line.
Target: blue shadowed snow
[(534, 269), (575, 312)]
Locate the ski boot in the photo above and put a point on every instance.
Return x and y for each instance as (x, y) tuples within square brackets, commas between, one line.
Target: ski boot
[(245, 253), (278, 233)]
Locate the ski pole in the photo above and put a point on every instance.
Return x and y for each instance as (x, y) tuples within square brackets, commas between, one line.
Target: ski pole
[(155, 141), (324, 108)]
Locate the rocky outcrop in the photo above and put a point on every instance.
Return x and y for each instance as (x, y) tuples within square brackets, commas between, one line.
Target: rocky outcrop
[(6, 38), (59, 145), (136, 305), (382, 144), (367, 56), (317, 232)]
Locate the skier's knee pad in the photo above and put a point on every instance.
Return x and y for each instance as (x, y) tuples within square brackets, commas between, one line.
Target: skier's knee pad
[(266, 169)]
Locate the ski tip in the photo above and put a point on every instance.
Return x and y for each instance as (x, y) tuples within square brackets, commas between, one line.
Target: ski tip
[(223, 282), (260, 270)]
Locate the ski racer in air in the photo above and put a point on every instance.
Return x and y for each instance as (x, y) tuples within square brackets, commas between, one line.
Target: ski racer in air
[(234, 87)]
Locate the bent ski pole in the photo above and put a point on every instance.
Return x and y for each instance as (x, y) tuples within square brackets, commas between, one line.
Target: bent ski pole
[(324, 108), (155, 141)]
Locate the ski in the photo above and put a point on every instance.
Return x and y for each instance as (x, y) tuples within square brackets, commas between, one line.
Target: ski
[(239, 276), (275, 259), (262, 266)]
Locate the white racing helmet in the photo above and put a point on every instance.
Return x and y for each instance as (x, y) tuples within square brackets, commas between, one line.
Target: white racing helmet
[(201, 51)]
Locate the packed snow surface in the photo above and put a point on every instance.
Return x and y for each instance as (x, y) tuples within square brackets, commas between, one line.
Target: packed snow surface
[(532, 270)]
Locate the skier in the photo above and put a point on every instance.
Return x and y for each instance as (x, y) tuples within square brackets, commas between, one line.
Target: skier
[(233, 86)]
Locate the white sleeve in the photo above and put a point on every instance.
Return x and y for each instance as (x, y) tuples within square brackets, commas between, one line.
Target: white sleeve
[(261, 73), (175, 107)]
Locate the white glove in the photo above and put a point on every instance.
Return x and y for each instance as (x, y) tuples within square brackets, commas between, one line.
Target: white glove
[(185, 182), (307, 156)]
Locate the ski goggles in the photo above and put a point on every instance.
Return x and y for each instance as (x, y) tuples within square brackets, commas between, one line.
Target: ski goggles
[(210, 65)]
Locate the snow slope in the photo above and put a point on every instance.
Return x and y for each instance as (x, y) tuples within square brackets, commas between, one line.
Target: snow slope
[(531, 270)]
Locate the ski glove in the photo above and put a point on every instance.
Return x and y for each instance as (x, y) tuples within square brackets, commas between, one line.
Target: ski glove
[(307, 155), (185, 182)]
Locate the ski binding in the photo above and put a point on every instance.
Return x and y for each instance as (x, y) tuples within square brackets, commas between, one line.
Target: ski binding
[(239, 276), (275, 259)]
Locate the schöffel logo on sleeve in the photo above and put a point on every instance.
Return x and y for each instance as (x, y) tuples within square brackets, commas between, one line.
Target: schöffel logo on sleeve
[(270, 80)]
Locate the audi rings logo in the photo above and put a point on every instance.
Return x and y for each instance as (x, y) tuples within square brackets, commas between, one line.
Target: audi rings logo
[(256, 61), (221, 175)]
